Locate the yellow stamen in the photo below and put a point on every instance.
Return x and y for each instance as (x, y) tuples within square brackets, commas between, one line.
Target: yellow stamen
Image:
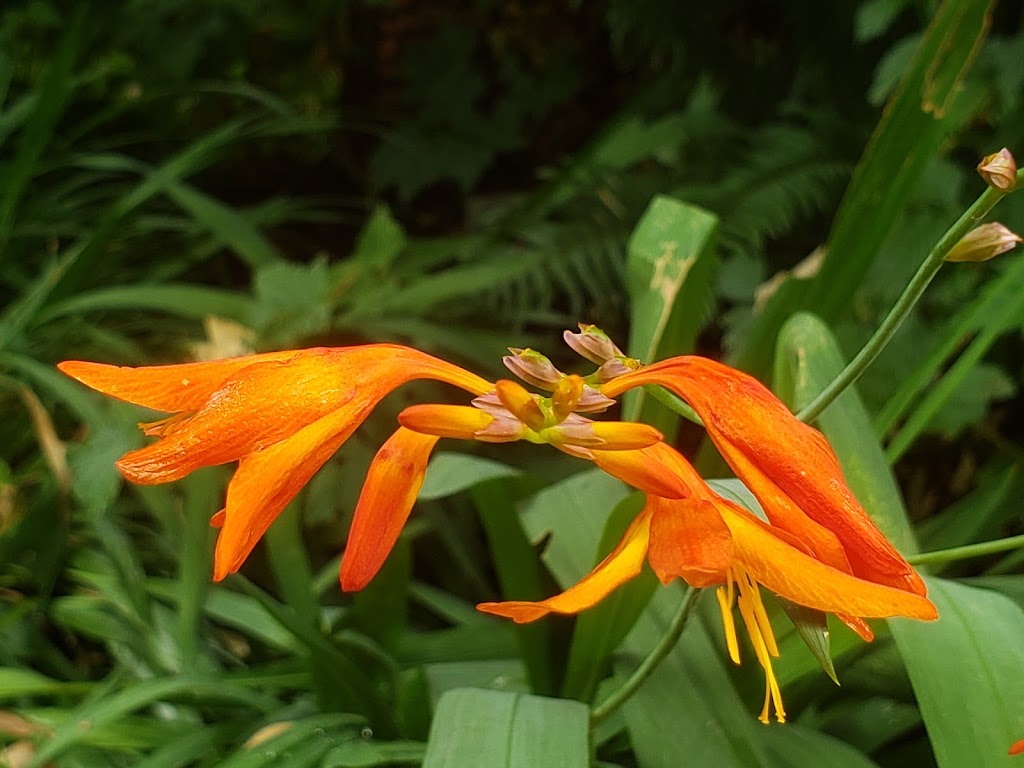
[(725, 604), (162, 427), (761, 637)]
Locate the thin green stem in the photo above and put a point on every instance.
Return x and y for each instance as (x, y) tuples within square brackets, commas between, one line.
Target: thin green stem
[(910, 296), (667, 642), (971, 550)]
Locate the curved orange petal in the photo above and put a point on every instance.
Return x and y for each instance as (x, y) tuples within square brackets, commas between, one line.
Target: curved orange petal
[(787, 571), (183, 387), (643, 470), (268, 479), (689, 540), (744, 418), (622, 564), (1017, 748), (265, 402), (387, 498)]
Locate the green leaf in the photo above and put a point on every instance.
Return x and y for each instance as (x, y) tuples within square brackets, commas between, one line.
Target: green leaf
[(381, 240), (226, 224), (474, 728), (519, 574), (669, 279), (184, 300), (915, 121), (364, 753), (600, 630), (142, 693), (978, 631), (807, 359), (574, 513), (450, 473), (996, 308)]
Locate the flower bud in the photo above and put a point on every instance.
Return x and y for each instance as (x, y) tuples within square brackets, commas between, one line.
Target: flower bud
[(520, 404), (999, 170), (533, 368), (565, 397), (592, 343), (983, 243)]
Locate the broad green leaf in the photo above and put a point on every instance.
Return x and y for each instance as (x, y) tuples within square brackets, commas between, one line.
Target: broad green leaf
[(927, 105), (600, 630), (966, 671), (808, 358), (574, 512), (474, 728), (669, 279), (489, 674), (450, 473), (689, 713), (519, 574)]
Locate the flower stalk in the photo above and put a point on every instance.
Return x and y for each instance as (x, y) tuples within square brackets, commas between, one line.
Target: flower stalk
[(910, 296), (665, 644)]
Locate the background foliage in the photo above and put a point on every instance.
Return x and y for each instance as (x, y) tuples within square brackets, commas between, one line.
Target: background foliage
[(192, 179)]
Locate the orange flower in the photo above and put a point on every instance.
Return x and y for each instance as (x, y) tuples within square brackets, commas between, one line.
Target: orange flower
[(1017, 748), (788, 465), (707, 540), (281, 415), (506, 414)]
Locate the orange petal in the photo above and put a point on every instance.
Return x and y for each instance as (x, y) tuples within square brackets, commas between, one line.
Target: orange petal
[(260, 405), (744, 418), (689, 540), (787, 571), (520, 404), (625, 435), (182, 387), (1017, 748), (267, 480), (622, 564), (387, 498), (458, 421), (642, 469), (265, 402)]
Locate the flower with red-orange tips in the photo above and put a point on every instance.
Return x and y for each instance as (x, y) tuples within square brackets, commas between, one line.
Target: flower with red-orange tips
[(281, 415)]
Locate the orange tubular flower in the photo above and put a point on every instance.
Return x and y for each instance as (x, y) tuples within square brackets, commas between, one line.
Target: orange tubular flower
[(281, 415), (788, 465), (707, 540), (505, 414)]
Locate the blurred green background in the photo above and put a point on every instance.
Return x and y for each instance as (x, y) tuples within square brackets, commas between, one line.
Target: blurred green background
[(183, 179)]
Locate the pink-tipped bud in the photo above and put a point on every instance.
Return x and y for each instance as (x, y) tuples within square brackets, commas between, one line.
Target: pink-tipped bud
[(592, 343), (999, 170), (984, 243), (592, 401), (616, 367), (533, 368)]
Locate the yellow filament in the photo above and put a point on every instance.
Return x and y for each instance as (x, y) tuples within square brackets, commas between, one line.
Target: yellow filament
[(762, 638), (725, 603)]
